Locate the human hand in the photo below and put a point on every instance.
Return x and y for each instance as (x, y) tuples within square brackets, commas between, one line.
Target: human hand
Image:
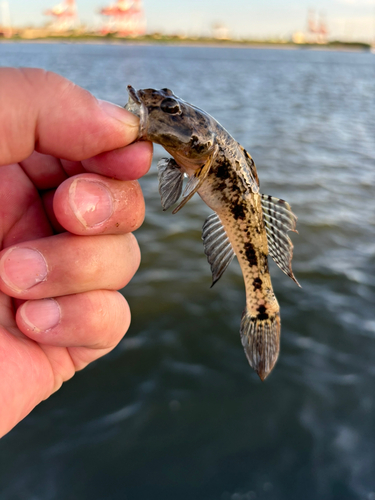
[(68, 205)]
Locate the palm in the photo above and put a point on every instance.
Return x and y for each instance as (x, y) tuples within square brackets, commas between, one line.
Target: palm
[(34, 364), (24, 218)]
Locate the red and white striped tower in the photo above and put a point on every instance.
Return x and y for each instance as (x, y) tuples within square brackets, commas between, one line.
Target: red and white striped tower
[(65, 14), (126, 17), (317, 31)]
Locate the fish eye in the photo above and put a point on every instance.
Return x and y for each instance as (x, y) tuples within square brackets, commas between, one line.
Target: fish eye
[(170, 106)]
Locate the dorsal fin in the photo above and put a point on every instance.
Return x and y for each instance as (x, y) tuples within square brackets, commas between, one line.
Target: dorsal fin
[(251, 165), (217, 246), (279, 219)]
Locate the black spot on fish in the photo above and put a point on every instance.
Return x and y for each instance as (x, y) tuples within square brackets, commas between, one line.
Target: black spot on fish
[(251, 254), (238, 211), (199, 146), (222, 171), (262, 314), (257, 283)]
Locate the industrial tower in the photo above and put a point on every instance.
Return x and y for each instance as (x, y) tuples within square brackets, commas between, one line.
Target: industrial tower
[(5, 25), (317, 30), (126, 18), (65, 14)]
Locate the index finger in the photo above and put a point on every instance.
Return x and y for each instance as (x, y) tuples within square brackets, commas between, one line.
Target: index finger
[(43, 111)]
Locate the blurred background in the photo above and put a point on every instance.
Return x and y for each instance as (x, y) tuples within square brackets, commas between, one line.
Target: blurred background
[(175, 411), (274, 21)]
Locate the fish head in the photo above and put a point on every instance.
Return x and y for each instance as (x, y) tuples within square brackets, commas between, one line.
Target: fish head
[(185, 131)]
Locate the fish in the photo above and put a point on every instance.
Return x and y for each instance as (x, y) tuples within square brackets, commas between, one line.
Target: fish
[(245, 223)]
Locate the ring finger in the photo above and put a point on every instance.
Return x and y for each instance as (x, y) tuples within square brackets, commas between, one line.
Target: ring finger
[(65, 264)]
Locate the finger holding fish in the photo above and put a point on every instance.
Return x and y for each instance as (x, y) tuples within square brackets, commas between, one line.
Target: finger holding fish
[(136, 158)]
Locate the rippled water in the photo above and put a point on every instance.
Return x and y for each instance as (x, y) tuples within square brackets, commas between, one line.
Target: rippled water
[(175, 412)]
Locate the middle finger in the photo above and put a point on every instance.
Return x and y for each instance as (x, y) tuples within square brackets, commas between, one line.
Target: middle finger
[(92, 204)]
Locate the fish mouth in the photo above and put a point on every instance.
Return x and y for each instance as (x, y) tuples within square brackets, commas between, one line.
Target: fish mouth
[(138, 108)]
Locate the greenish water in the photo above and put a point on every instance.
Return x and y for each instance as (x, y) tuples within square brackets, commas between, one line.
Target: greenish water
[(175, 412)]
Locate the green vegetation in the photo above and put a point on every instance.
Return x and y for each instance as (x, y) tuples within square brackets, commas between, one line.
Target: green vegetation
[(159, 38)]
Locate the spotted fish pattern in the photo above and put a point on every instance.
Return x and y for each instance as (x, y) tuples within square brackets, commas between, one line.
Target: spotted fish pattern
[(245, 223)]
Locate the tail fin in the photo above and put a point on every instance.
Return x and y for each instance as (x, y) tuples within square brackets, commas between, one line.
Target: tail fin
[(261, 340)]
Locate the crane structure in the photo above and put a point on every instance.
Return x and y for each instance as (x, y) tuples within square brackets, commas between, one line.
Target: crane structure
[(65, 16), (126, 18), (317, 29)]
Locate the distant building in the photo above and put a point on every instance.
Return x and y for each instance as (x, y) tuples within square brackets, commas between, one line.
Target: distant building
[(299, 37), (220, 32)]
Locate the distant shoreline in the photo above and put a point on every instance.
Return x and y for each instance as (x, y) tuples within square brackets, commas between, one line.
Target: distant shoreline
[(199, 42)]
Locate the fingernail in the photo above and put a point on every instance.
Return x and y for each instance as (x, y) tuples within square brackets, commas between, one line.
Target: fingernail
[(119, 113), (41, 315), (91, 201), (23, 268)]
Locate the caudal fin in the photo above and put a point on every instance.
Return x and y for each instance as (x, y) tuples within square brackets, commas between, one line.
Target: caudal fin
[(261, 341)]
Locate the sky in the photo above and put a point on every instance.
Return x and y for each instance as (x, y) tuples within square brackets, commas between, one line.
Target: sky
[(346, 19)]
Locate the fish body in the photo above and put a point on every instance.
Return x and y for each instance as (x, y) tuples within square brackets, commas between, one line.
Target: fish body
[(245, 222)]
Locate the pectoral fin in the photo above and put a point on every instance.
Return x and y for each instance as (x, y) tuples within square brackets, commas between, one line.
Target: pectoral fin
[(217, 246), (170, 182), (279, 219), (196, 181)]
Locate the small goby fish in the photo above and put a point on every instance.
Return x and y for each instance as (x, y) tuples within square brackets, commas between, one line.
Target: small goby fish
[(245, 222)]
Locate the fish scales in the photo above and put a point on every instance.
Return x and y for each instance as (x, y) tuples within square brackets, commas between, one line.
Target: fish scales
[(240, 212), (245, 222)]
